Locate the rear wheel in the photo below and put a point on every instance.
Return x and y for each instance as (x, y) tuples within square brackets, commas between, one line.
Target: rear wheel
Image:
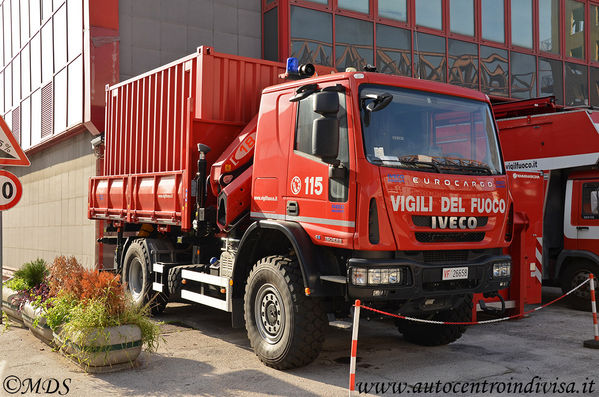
[(137, 276), (285, 327), (573, 276), (434, 334)]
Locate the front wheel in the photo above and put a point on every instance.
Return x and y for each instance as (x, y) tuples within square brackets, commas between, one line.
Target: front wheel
[(434, 334), (285, 327), (573, 276)]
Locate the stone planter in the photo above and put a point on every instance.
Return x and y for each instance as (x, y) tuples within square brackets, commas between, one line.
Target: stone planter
[(41, 329), (10, 304), (103, 349)]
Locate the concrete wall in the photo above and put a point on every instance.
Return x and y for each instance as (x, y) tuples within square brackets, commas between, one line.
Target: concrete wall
[(51, 218), (155, 32)]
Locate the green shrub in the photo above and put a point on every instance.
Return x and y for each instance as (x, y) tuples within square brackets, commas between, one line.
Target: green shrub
[(31, 275), (16, 284), (57, 310)]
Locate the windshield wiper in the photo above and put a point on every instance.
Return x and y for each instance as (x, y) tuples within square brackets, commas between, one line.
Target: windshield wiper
[(425, 163), (466, 165), (409, 160)]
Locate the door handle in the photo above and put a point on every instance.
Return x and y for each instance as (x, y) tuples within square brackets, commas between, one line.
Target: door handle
[(292, 208), (582, 228)]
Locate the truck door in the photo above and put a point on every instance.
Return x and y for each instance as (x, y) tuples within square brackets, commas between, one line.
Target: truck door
[(318, 194), (587, 222)]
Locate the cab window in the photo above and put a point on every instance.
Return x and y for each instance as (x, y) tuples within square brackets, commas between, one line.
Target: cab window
[(305, 119), (590, 201)]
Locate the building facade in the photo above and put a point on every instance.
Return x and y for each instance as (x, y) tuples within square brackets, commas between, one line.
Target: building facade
[(506, 48)]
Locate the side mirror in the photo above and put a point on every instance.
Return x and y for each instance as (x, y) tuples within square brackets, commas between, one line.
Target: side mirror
[(325, 129), (595, 202)]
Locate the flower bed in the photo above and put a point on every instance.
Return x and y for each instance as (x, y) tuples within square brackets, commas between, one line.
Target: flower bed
[(86, 314)]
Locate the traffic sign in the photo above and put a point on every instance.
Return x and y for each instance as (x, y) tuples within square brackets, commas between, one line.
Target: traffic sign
[(11, 190), (10, 151)]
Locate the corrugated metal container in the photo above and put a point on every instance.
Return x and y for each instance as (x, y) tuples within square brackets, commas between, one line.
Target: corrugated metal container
[(154, 123)]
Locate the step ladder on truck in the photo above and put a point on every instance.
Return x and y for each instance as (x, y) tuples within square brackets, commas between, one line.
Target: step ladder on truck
[(281, 193)]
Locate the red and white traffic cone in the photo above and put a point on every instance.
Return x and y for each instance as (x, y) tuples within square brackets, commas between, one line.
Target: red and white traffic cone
[(354, 348), (593, 343)]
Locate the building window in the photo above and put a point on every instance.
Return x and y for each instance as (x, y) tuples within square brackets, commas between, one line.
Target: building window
[(35, 14), (271, 34), (492, 20), (46, 9), (8, 87), (24, 21), (575, 29), (26, 123), (1, 92), (393, 50), (576, 85), (522, 23), (429, 57), (47, 53), (393, 9), (524, 75), (16, 80), (36, 117), (594, 87), (354, 5), (461, 16), (16, 37), (75, 28), (36, 62), (494, 70), (60, 38), (75, 90), (429, 14), (463, 63), (353, 43), (594, 32), (549, 17), (550, 79), (7, 36), (25, 76), (60, 101), (312, 36)]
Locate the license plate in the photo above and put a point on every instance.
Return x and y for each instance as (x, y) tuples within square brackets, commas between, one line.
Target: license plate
[(455, 273)]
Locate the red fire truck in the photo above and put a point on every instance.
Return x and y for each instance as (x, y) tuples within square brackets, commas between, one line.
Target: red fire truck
[(281, 196), (563, 143)]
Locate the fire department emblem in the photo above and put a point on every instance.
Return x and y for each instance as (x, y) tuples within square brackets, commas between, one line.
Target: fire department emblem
[(296, 185)]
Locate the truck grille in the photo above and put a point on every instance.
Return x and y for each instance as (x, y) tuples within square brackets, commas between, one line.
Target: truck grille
[(456, 237), (454, 256), (425, 221)]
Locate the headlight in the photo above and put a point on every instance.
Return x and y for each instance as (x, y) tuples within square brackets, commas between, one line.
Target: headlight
[(374, 276), (379, 276), (502, 269), (358, 276)]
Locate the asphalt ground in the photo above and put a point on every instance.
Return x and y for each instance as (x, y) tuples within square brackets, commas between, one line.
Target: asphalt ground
[(202, 355)]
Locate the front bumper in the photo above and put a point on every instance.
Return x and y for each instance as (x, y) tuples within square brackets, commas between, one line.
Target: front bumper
[(425, 280)]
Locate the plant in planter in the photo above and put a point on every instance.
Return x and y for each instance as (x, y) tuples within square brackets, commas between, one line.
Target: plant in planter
[(27, 284), (94, 320)]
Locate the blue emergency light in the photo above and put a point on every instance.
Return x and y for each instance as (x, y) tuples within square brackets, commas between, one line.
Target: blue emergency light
[(292, 66)]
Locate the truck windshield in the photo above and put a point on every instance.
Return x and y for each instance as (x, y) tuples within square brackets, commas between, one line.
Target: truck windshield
[(429, 132)]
